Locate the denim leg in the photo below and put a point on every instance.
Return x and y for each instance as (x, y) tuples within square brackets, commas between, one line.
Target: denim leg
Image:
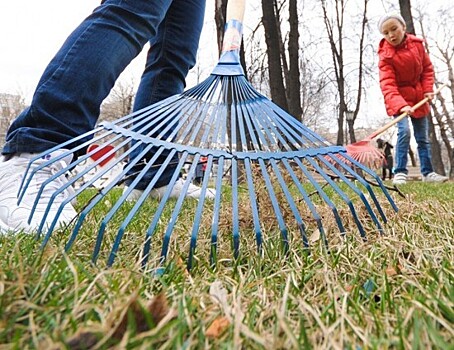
[(172, 54), (421, 130), (67, 99), (402, 146)]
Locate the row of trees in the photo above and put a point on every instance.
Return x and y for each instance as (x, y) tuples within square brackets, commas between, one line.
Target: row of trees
[(319, 63), (317, 60)]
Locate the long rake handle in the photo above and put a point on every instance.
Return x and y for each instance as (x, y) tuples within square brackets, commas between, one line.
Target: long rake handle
[(402, 116), (235, 10)]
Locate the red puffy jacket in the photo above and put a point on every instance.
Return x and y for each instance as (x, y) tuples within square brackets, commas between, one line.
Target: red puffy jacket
[(406, 74)]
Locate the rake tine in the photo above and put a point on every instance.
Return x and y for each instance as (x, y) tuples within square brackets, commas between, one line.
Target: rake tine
[(346, 167), (355, 189), (290, 201), (66, 186), (324, 196), (341, 193), (138, 204), (275, 204), (235, 210), (374, 176), (219, 138), (158, 213), (249, 177), (104, 192), (199, 210), (307, 200), (216, 212), (254, 205)]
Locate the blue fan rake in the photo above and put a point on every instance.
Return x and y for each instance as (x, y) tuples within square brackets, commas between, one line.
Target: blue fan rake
[(257, 156)]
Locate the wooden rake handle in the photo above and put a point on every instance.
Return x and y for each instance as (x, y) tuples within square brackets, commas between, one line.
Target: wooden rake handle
[(235, 10), (402, 116)]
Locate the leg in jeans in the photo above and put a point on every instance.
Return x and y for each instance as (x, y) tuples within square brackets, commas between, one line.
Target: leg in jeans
[(402, 146), (68, 97), (421, 130), (172, 54)]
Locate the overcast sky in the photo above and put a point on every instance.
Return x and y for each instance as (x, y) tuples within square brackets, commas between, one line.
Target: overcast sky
[(31, 32)]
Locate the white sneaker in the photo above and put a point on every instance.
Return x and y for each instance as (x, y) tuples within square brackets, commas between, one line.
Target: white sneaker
[(434, 177), (192, 192), (400, 179), (13, 216)]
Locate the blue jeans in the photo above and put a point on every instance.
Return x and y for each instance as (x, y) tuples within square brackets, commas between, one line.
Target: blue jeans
[(421, 131), (67, 100)]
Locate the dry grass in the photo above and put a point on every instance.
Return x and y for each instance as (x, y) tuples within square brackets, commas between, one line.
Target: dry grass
[(394, 290)]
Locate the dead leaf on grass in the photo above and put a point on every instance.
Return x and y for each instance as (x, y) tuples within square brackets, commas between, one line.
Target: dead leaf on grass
[(315, 236), (83, 340), (219, 295), (218, 327), (349, 288), (142, 318), (391, 271), (157, 308)]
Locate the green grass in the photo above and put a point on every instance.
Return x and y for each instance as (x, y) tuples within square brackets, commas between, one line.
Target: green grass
[(394, 290)]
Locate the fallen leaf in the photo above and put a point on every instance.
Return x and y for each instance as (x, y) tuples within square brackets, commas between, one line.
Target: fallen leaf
[(315, 236), (349, 288), (218, 327), (391, 271), (142, 318), (182, 266), (156, 309), (219, 295), (83, 340)]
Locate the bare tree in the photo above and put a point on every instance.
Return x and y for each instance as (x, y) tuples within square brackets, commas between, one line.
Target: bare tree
[(119, 102), (293, 79), (270, 22), (442, 124), (10, 106), (334, 18), (405, 10)]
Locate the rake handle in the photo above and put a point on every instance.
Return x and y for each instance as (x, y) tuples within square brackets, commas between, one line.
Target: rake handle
[(235, 10), (403, 115)]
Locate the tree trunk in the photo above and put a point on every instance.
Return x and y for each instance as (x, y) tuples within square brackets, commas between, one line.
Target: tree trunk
[(277, 89), (294, 84), (437, 160), (219, 18), (405, 10)]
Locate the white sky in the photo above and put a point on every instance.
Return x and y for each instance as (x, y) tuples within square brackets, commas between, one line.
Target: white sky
[(31, 32)]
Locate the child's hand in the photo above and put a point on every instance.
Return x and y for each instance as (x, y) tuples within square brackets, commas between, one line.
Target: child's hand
[(407, 109), (429, 95)]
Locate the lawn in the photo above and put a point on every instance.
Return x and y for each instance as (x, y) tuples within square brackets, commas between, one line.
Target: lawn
[(394, 290)]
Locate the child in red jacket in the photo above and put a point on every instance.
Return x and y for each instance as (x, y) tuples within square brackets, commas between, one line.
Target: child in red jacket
[(406, 77)]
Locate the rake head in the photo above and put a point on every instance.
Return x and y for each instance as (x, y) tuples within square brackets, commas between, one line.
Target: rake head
[(365, 153), (270, 173)]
